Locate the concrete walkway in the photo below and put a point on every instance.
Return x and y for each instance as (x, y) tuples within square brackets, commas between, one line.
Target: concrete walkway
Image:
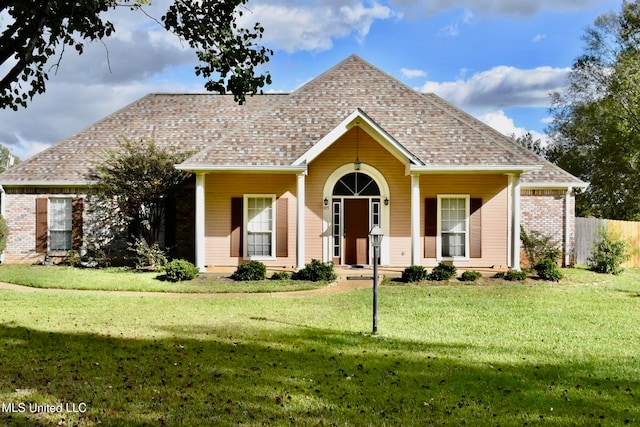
[(348, 280)]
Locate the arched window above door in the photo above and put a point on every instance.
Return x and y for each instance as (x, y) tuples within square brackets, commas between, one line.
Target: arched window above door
[(356, 184)]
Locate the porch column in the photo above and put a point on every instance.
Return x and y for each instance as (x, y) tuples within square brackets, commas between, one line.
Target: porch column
[(300, 224), (200, 221), (415, 219), (515, 222), (567, 227)]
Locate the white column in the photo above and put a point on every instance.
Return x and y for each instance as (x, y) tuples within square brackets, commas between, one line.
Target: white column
[(515, 223), (415, 219), (567, 227), (200, 221), (300, 223)]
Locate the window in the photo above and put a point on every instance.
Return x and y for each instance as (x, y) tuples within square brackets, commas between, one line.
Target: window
[(60, 224), (260, 226), (453, 226)]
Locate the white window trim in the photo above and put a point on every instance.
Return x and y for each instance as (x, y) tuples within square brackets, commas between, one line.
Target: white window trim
[(245, 221), (50, 221), (439, 256)]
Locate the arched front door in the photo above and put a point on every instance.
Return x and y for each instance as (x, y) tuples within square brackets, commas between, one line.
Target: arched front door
[(355, 208)]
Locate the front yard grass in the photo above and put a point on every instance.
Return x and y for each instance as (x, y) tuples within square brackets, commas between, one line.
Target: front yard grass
[(122, 279), (508, 354)]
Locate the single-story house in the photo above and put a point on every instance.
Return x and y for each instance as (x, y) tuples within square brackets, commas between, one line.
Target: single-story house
[(286, 178)]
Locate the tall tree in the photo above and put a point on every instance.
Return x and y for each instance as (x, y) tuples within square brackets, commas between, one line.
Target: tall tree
[(529, 143), (595, 133), (140, 177), (7, 159), (33, 31)]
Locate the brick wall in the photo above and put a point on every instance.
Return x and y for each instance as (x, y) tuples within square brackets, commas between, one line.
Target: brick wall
[(20, 214), (544, 211)]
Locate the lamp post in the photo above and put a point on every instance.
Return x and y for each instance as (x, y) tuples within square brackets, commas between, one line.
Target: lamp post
[(376, 240)]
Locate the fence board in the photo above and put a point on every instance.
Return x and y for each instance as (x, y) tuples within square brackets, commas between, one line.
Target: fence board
[(586, 237), (630, 231)]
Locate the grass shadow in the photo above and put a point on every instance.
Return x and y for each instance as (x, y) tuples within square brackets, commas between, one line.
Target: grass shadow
[(293, 374)]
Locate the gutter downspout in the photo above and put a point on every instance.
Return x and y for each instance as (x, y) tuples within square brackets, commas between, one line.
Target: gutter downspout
[(567, 227), (2, 211)]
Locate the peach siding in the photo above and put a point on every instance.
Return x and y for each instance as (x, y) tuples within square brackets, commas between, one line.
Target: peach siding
[(219, 189), (494, 193), (342, 152)]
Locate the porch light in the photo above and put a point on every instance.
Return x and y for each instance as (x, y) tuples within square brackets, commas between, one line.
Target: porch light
[(386, 201), (376, 240), (326, 201)]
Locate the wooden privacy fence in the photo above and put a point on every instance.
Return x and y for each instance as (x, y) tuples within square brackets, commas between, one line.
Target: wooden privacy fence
[(587, 230)]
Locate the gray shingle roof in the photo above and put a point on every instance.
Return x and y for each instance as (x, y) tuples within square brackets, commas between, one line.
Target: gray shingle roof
[(275, 130)]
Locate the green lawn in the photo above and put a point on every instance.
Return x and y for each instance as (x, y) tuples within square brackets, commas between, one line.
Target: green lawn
[(507, 354), (123, 279)]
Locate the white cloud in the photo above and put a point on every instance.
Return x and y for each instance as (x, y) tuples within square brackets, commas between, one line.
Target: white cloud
[(412, 74), (538, 37), (453, 30), (492, 7), (502, 87), (313, 28), (504, 124)]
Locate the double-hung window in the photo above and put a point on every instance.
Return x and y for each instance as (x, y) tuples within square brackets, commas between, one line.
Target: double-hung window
[(260, 226), (453, 226), (60, 224)]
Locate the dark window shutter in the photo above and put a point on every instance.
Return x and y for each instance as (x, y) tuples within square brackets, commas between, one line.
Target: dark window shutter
[(282, 228), (430, 227), (475, 228), (77, 208), (236, 226), (42, 226)]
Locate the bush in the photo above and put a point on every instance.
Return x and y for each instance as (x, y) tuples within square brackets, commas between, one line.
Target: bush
[(179, 270), (4, 233), (442, 272), (251, 271), (609, 254), (148, 257), (539, 247), (512, 275), (72, 258), (548, 270), (316, 271), (280, 275), (415, 273), (470, 276)]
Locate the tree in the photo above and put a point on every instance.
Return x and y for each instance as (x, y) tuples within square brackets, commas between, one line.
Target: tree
[(7, 159), (529, 143), (140, 177), (37, 30), (595, 133)]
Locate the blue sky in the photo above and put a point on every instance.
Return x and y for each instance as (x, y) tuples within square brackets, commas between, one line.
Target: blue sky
[(496, 59)]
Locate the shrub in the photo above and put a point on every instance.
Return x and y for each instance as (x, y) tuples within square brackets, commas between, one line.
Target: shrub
[(609, 254), (415, 273), (251, 271), (148, 257), (316, 271), (470, 276), (4, 233), (280, 275), (513, 275), (548, 270), (442, 272), (539, 247), (179, 270), (72, 258)]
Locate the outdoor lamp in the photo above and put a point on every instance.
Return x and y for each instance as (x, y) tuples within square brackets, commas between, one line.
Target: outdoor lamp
[(375, 236)]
